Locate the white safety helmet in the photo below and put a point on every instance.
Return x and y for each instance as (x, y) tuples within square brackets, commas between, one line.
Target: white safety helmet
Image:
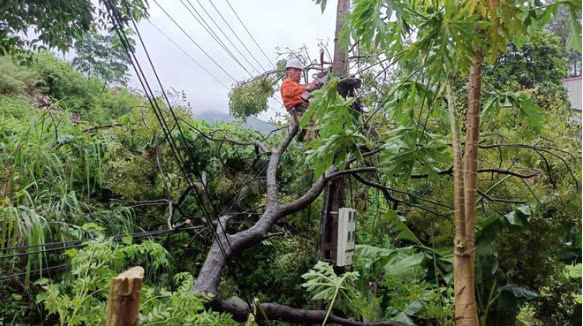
[(294, 63)]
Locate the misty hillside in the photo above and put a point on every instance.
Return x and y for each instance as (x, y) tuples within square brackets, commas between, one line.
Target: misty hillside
[(252, 122)]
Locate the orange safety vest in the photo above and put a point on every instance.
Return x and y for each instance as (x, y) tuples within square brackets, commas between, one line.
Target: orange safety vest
[(291, 91)]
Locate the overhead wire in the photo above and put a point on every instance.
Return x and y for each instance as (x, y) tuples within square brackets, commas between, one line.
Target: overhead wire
[(64, 266), (118, 26), (195, 43), (245, 27), (198, 17), (79, 243), (37, 271), (186, 143), (225, 35), (237, 36), (188, 55), (189, 151)]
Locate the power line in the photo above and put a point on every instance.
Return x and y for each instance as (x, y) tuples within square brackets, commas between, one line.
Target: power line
[(38, 271), (239, 18), (118, 26), (193, 41), (188, 55), (64, 266), (225, 35), (211, 32), (80, 242), (237, 36), (143, 80), (119, 29)]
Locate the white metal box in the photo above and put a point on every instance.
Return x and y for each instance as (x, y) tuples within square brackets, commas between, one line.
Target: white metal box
[(346, 227)]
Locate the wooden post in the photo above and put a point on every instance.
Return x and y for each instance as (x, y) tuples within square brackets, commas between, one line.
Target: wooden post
[(124, 298)]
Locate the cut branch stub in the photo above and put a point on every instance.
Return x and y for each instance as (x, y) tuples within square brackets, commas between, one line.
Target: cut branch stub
[(124, 298)]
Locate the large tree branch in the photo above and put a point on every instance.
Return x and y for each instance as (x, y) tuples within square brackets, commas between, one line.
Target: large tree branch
[(388, 196), (507, 201), (272, 198), (491, 170), (309, 196), (274, 311)]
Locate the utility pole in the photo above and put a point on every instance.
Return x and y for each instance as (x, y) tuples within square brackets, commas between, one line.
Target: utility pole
[(334, 192)]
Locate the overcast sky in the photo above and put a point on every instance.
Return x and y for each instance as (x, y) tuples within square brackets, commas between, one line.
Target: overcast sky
[(273, 23)]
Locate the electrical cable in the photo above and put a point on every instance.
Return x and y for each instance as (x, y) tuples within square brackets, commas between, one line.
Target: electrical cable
[(193, 41), (188, 55), (245, 27), (224, 34), (177, 155), (118, 26), (212, 33), (162, 121), (237, 36), (48, 269), (189, 151), (80, 243), (187, 144), (63, 266)]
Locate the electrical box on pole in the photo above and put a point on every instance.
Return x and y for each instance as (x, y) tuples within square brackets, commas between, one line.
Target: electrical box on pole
[(346, 228)]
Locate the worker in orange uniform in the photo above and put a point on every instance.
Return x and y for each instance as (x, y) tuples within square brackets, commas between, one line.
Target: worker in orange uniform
[(295, 95)]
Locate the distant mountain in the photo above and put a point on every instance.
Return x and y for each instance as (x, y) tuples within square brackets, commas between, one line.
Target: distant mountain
[(252, 122)]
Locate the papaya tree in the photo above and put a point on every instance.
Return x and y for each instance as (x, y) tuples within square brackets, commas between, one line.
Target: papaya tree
[(445, 38)]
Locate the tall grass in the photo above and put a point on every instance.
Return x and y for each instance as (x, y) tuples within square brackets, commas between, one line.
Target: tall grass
[(51, 171)]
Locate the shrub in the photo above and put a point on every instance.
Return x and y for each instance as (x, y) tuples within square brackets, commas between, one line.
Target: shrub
[(15, 80)]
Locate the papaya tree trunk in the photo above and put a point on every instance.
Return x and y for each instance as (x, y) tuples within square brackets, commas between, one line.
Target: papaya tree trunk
[(464, 254)]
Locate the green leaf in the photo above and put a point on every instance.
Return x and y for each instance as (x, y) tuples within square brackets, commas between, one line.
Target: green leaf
[(574, 40), (402, 264), (519, 216), (574, 271), (410, 310), (396, 224), (518, 292)]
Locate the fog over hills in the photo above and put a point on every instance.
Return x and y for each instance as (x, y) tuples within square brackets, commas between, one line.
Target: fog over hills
[(251, 123)]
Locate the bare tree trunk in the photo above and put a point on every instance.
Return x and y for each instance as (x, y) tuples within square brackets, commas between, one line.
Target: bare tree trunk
[(340, 67), (465, 297)]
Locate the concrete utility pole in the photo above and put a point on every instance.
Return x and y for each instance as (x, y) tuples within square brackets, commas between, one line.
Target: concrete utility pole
[(334, 192)]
